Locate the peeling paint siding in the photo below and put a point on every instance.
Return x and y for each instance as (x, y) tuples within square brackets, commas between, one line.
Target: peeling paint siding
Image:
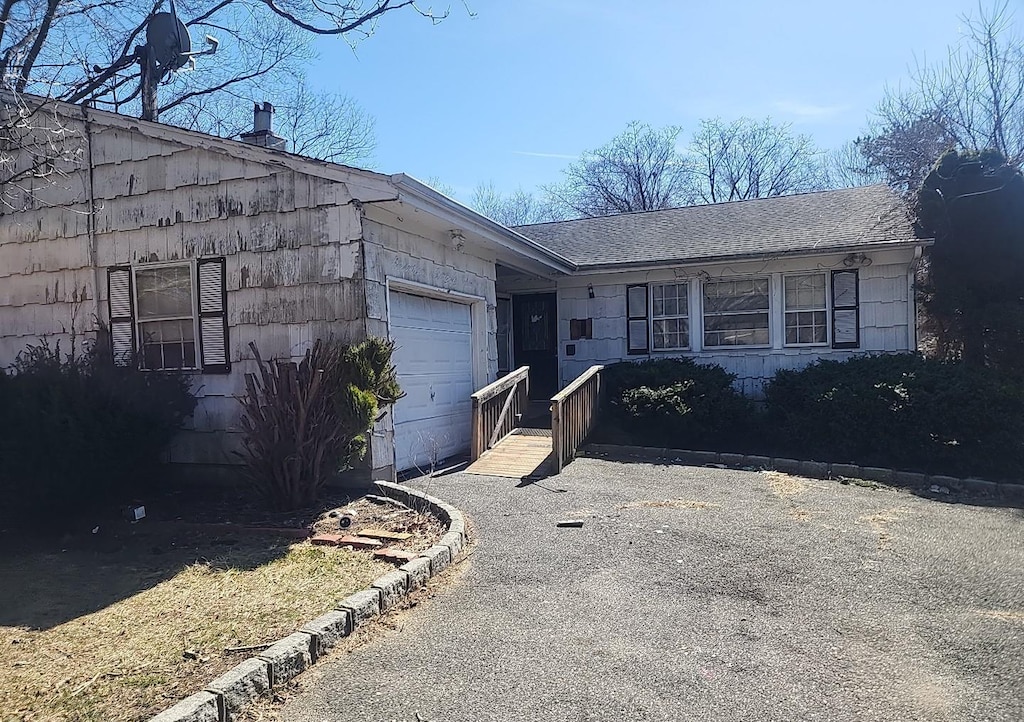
[(885, 300), (292, 242)]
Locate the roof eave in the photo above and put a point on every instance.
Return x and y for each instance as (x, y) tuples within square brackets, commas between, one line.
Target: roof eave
[(420, 194), (583, 269)]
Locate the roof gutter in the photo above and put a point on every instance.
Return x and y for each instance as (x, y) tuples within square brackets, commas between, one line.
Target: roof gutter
[(645, 265), (418, 194)]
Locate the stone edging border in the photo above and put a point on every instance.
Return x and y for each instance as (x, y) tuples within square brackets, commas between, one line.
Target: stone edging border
[(819, 469), (223, 698)]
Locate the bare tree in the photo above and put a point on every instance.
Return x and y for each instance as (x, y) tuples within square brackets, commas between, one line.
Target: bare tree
[(973, 99), (639, 170), (751, 159), (846, 167), (518, 208), (39, 152), (328, 126), (88, 50)]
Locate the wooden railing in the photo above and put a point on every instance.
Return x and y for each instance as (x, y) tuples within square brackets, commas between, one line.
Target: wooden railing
[(497, 409), (573, 410)]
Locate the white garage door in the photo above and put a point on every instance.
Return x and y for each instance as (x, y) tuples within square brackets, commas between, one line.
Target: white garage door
[(434, 358)]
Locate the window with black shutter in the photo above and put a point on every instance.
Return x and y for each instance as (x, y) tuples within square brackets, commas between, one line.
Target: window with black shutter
[(637, 333), (845, 309)]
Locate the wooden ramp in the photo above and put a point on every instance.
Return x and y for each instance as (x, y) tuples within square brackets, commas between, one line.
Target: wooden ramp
[(524, 452)]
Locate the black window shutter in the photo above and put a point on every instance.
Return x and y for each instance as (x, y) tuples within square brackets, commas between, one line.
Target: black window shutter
[(213, 316), (637, 333), (845, 309), (121, 309)]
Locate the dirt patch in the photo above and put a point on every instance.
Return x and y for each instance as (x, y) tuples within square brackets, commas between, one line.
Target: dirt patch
[(120, 624), (670, 504), (424, 529), (784, 484), (881, 521)]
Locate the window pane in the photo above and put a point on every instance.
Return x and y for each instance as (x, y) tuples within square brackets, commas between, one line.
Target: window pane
[(806, 327), (736, 296), (671, 333), (844, 289), (164, 291), (637, 302), (669, 300), (168, 344), (747, 329), (637, 335), (805, 292)]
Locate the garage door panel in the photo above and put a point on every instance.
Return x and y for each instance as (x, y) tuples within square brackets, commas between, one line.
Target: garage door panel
[(434, 359), (420, 443)]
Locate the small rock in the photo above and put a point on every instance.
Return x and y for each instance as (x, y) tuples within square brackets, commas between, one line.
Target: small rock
[(936, 489)]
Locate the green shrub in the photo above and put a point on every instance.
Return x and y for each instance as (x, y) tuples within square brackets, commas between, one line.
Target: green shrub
[(900, 410), (305, 422), (76, 431), (674, 402)]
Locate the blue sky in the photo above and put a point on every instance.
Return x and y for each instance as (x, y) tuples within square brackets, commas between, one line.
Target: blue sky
[(512, 93)]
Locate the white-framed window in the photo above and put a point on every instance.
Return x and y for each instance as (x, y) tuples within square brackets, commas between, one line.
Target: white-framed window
[(806, 309), (170, 315), (670, 317), (166, 318), (737, 312)]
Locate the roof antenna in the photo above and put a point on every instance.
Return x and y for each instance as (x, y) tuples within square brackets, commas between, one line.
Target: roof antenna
[(168, 49)]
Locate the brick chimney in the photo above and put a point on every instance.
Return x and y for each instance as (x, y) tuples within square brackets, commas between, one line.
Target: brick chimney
[(262, 133)]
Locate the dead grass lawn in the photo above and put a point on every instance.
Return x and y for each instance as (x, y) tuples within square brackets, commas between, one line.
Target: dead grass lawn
[(120, 633)]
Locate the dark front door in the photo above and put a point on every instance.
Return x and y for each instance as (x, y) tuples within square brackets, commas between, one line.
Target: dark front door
[(535, 341)]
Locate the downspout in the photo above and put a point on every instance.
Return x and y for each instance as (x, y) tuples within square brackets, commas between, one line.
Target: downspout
[(915, 263), (91, 222)]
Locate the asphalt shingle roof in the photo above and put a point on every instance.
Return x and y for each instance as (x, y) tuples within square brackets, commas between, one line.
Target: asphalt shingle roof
[(782, 225)]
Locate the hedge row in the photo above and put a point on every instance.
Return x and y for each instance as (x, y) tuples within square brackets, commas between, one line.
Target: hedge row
[(902, 411), (76, 431)]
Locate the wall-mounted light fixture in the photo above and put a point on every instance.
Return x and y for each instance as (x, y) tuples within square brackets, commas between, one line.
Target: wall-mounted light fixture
[(590, 290)]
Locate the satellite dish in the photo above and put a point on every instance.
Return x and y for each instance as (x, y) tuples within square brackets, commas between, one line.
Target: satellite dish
[(169, 41)]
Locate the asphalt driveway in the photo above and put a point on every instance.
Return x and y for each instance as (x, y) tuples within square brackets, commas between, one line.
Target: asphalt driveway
[(700, 594)]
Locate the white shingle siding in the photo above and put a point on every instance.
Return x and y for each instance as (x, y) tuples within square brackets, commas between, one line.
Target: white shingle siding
[(885, 313), (291, 241)]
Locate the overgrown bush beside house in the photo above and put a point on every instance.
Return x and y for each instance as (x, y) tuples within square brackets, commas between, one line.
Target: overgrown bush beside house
[(903, 411), (672, 402), (77, 432), (303, 423)]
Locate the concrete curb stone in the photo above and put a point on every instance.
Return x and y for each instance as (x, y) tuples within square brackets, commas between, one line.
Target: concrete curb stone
[(393, 586), (786, 466), (874, 473), (240, 686), (733, 459), (288, 657), (850, 471), (362, 605), (199, 707), (329, 629), (440, 557), (815, 469), (758, 462), (419, 572), (454, 542), (237, 688)]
